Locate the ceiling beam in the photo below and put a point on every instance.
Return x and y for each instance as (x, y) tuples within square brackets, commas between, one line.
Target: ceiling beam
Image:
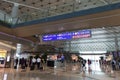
[(27, 6), (104, 1)]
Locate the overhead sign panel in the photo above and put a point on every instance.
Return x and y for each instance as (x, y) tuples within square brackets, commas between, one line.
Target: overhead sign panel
[(67, 35)]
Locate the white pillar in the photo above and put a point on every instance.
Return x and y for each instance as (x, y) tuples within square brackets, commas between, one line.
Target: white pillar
[(18, 51), (14, 12)]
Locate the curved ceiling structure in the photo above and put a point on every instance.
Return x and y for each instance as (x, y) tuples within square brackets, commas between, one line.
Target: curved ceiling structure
[(38, 9), (22, 11)]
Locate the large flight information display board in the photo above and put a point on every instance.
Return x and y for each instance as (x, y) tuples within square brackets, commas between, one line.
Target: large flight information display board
[(67, 35)]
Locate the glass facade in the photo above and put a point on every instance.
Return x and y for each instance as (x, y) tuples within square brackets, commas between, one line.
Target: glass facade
[(102, 39)]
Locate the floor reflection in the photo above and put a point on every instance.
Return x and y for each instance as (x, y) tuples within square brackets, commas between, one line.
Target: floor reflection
[(5, 76), (71, 72)]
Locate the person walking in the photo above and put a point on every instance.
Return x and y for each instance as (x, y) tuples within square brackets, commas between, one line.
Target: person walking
[(33, 64), (38, 62)]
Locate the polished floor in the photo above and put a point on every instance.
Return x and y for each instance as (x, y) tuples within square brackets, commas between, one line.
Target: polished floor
[(69, 72)]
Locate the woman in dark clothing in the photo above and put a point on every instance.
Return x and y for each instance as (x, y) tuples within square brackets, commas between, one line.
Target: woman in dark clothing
[(23, 63), (15, 63)]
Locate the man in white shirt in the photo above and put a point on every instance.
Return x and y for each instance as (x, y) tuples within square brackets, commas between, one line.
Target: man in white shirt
[(33, 63), (38, 62)]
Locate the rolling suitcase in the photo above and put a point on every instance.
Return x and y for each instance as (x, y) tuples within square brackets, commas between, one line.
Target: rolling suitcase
[(31, 67), (23, 67), (41, 68), (15, 67)]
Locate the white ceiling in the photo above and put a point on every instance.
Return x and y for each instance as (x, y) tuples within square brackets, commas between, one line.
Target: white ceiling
[(37, 9)]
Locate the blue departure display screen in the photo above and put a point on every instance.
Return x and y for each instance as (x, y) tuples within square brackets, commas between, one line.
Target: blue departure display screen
[(67, 35)]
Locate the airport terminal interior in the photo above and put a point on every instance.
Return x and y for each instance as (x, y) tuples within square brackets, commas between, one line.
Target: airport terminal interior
[(59, 39)]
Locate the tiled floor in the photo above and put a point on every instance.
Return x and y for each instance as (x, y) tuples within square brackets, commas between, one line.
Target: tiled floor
[(70, 72)]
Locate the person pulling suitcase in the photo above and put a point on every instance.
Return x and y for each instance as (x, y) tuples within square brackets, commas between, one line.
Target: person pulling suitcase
[(33, 63)]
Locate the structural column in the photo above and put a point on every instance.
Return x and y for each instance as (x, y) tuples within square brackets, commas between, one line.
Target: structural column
[(14, 12), (69, 46), (116, 43), (40, 39), (115, 32), (18, 54), (18, 49)]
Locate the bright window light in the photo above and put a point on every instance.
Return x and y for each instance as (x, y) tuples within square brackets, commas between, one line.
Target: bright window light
[(92, 52), (6, 45)]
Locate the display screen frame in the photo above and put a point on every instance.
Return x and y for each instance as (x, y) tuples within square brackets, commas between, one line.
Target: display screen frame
[(67, 35)]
